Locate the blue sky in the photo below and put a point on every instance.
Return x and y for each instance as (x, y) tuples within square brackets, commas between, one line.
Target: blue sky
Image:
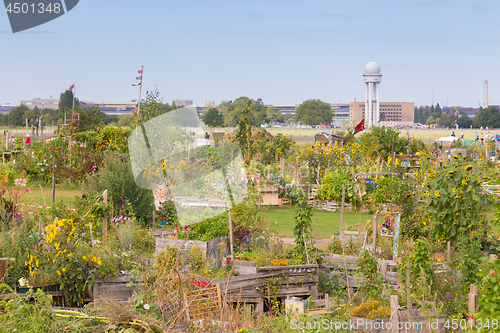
[(283, 51)]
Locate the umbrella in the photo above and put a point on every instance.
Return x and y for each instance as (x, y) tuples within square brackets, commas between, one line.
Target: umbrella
[(496, 137)]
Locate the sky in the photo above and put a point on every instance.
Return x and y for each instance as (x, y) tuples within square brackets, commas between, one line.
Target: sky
[(283, 51)]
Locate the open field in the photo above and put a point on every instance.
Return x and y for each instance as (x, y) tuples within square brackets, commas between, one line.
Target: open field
[(283, 219), (42, 195)]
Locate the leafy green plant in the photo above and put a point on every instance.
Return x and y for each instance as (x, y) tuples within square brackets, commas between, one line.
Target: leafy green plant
[(302, 230), (489, 295), (454, 201), (333, 182), (372, 283)]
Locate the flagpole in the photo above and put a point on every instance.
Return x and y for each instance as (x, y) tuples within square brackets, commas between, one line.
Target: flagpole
[(140, 91)]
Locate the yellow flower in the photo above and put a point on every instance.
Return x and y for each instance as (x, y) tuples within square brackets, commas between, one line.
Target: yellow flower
[(64, 269), (58, 272)]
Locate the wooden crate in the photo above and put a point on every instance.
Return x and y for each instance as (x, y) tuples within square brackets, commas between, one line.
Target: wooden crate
[(116, 289)]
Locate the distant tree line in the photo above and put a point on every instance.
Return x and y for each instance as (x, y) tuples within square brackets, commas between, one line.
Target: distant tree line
[(228, 114), (429, 115)]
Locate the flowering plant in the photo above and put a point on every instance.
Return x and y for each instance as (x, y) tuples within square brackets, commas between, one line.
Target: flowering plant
[(68, 259)]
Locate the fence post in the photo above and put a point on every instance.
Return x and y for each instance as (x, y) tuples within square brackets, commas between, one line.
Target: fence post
[(408, 291), (374, 240), (472, 303), (394, 313)]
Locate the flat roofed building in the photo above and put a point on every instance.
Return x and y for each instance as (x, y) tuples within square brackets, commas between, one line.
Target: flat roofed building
[(42, 103), (111, 108), (183, 102), (392, 114)]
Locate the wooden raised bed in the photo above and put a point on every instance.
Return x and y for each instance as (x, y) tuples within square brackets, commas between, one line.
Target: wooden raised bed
[(250, 287), (349, 263), (116, 289)]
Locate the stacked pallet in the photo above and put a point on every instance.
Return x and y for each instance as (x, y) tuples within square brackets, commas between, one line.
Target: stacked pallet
[(337, 262), (253, 283)]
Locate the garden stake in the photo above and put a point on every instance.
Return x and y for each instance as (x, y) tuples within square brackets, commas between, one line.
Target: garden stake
[(408, 298), (231, 235), (374, 240), (105, 218), (341, 232), (53, 181)]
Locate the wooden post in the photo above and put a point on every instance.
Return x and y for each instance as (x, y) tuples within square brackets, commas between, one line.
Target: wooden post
[(282, 164), (374, 239), (297, 169), (394, 313), (472, 305), (383, 268), (448, 251), (341, 233), (408, 292), (105, 218), (231, 235), (53, 181)]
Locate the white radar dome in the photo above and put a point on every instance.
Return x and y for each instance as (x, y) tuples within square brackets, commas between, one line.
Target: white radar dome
[(372, 68)]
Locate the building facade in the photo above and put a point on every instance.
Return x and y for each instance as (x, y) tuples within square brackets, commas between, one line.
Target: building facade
[(42, 103), (392, 114)]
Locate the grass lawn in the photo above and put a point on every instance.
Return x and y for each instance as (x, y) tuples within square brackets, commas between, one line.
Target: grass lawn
[(42, 195), (283, 218)]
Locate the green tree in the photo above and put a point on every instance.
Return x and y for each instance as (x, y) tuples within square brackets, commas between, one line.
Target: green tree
[(244, 133), (274, 115), (464, 121), (383, 140), (213, 118), (430, 120), (233, 111), (91, 119), (66, 104), (16, 115), (151, 108), (487, 117), (313, 112), (125, 119)]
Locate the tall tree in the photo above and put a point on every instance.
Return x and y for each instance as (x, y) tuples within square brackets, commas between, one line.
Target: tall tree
[(91, 119), (152, 107), (16, 115), (489, 117), (274, 115), (313, 112), (464, 121), (66, 104), (213, 118)]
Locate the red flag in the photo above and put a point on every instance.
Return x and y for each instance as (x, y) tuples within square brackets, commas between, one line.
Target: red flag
[(359, 127), (71, 88), (140, 71)]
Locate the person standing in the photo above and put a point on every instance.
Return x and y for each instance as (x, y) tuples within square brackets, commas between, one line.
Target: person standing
[(462, 134), (453, 133), (482, 137), (487, 137), (476, 137)]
